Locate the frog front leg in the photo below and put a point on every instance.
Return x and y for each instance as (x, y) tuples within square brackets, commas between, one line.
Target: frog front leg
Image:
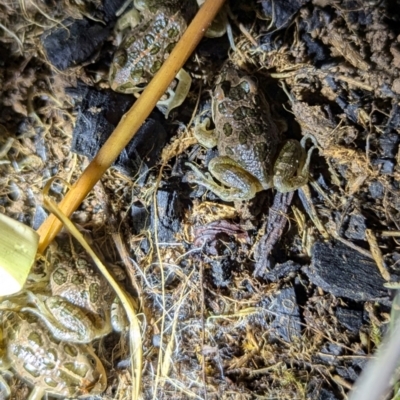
[(291, 166), (241, 185)]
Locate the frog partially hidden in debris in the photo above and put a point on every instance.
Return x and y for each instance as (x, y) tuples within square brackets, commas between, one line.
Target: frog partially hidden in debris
[(46, 335), (252, 153)]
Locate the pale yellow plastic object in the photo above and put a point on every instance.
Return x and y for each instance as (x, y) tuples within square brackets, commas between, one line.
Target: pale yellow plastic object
[(18, 247)]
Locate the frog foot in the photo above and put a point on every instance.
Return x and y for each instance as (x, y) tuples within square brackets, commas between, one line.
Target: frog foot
[(220, 25), (241, 185), (129, 19), (175, 99), (291, 169), (119, 320), (5, 391), (205, 136)]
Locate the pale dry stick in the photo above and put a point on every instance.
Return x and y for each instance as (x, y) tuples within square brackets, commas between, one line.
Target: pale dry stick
[(377, 254), (14, 36), (390, 233), (355, 83), (132, 120), (305, 197), (353, 246)]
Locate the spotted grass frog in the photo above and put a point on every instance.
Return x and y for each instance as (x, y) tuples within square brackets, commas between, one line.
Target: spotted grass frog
[(155, 28), (252, 153), (47, 328), (77, 308), (48, 365)]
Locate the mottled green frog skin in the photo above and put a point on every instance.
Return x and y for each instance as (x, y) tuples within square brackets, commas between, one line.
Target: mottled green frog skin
[(49, 365), (145, 49), (77, 308), (246, 132), (252, 153), (156, 27), (45, 339)]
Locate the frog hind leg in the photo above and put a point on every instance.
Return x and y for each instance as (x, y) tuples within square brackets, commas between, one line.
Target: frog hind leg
[(37, 393), (291, 167), (177, 97), (5, 391), (54, 311), (241, 185)]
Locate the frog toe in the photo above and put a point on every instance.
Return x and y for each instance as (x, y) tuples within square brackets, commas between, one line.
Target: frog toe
[(240, 184), (175, 99)]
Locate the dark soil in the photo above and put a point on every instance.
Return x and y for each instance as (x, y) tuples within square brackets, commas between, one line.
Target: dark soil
[(276, 298)]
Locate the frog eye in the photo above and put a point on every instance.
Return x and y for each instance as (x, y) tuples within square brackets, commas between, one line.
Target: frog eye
[(245, 86), (92, 360)]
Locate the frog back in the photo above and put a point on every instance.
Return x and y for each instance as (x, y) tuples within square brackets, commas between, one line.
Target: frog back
[(58, 368), (75, 279), (145, 49), (246, 131)]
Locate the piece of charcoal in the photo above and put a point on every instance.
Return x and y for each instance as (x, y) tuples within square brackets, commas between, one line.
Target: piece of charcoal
[(356, 227), (39, 216), (348, 373), (99, 114), (282, 271), (170, 213), (329, 353), (394, 119), (77, 40), (222, 271), (74, 43), (386, 91), (140, 218), (108, 9), (316, 50), (359, 15), (326, 395), (350, 109), (344, 272), (376, 190), (282, 11), (386, 166), (389, 143), (350, 319), (285, 312)]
